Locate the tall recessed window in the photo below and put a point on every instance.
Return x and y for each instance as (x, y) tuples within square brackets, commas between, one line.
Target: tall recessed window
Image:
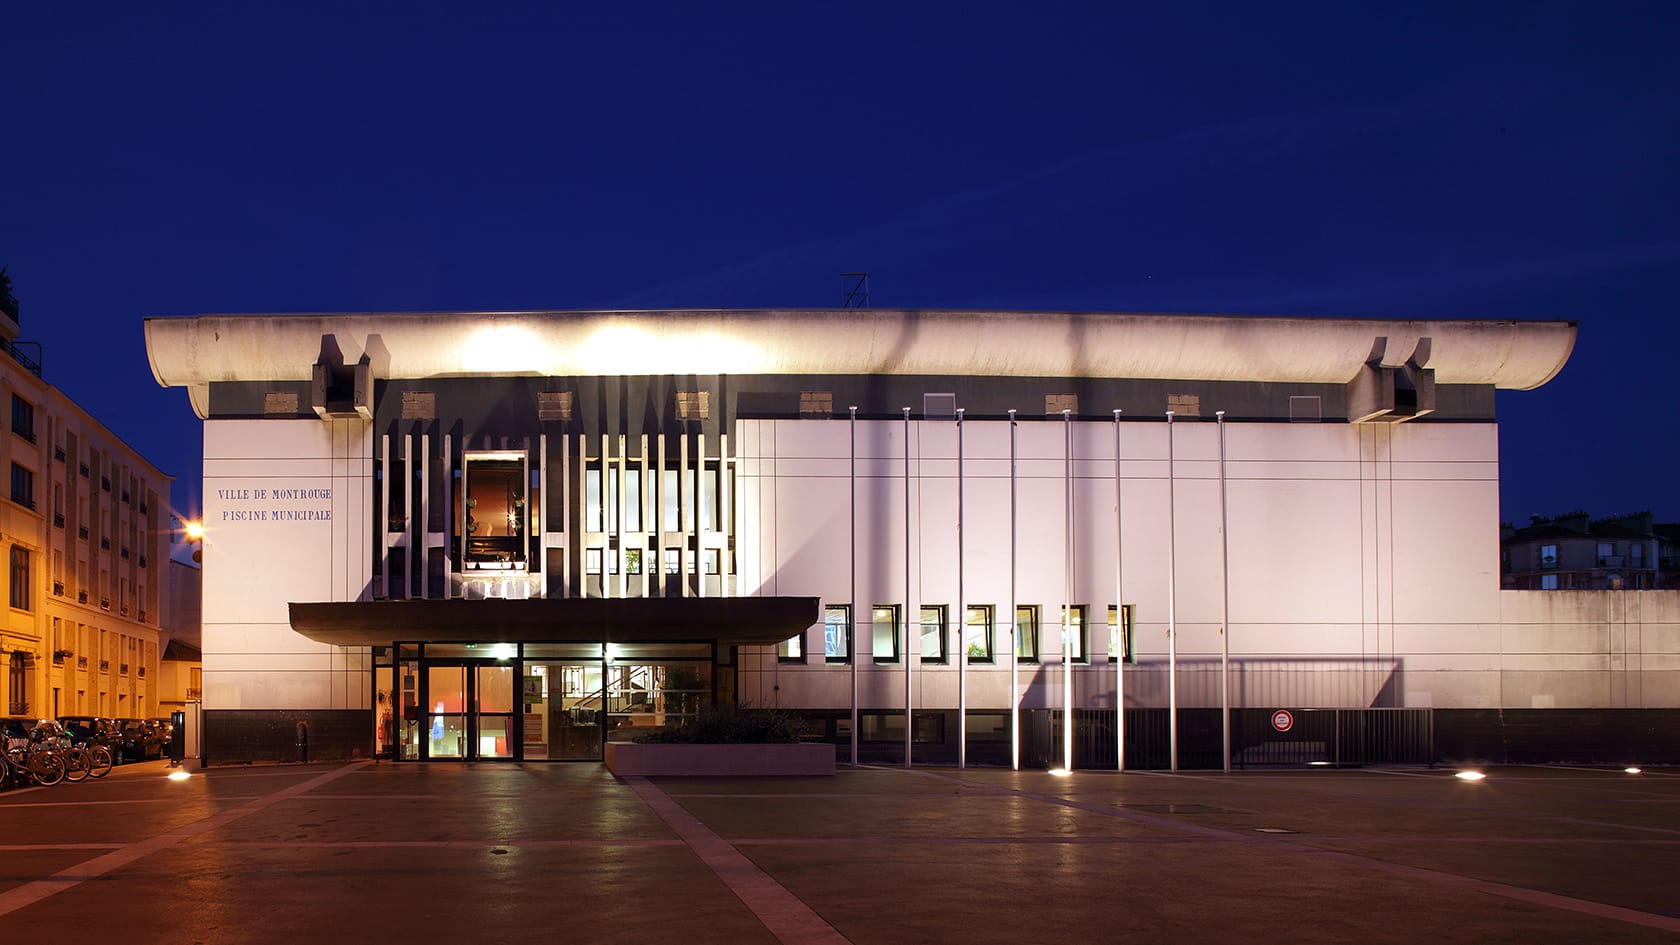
[(885, 637), (23, 486), (977, 633), (592, 498), (670, 500), (1120, 636), (837, 633), (1548, 556), (1075, 646), (20, 577), (933, 633), (17, 679), (1026, 633), (23, 418)]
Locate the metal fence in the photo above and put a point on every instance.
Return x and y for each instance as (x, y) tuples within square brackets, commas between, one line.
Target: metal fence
[(1310, 737)]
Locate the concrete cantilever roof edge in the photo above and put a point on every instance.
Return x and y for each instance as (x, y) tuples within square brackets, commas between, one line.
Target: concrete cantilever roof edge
[(196, 351)]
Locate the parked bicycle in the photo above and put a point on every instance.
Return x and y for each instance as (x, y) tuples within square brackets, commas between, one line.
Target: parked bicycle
[(88, 736), (31, 757)]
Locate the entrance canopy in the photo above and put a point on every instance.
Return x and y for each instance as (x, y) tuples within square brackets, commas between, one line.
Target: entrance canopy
[(755, 621)]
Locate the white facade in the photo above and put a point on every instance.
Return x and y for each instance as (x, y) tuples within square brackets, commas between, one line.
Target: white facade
[(287, 513)]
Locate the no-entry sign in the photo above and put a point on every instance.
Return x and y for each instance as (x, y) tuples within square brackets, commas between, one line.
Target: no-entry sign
[(1283, 720)]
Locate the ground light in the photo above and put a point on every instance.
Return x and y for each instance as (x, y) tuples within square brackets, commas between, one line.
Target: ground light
[(1319, 764), (179, 775), (1060, 772), (1470, 776), (1631, 769)]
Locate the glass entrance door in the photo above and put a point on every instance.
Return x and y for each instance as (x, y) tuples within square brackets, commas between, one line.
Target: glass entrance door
[(563, 717), (469, 711)]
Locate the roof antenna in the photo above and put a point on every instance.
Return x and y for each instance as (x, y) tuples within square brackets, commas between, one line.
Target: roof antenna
[(854, 290)]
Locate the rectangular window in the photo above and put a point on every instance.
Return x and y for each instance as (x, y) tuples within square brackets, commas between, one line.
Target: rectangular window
[(633, 561), (670, 497), (1120, 637), (1548, 556), (933, 633), (694, 404), (1548, 582), (1026, 633), (1606, 550), (592, 499), (710, 556), (23, 486), (673, 561), (633, 499), (709, 497), (592, 561), (20, 577), (1075, 645), (977, 634), (885, 637), (792, 650), (23, 418), (837, 633)]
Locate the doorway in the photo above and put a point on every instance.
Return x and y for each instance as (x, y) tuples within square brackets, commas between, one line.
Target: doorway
[(469, 711)]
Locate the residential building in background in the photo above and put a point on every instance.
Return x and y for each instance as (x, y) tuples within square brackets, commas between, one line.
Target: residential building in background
[(1575, 552), (465, 536), (86, 538)]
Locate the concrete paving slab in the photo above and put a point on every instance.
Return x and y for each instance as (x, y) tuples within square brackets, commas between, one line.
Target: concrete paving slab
[(362, 852)]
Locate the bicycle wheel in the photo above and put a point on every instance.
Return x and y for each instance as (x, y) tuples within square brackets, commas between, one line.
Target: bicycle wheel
[(102, 761), (77, 764), (46, 767)]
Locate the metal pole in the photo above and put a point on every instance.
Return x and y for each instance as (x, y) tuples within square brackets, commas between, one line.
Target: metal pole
[(851, 610), (909, 606), (1225, 597), (1120, 640), (1014, 647), (1172, 603), (1067, 590), (962, 614)]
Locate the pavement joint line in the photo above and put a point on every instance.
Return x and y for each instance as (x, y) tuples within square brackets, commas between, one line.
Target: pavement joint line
[(38, 847), (1440, 805), (785, 915), (1437, 877), (446, 844), (138, 800), (32, 892)]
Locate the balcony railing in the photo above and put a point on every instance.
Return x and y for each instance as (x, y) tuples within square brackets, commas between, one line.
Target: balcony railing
[(58, 453), (85, 471), (1610, 561), (58, 519), (81, 662), (142, 672), (142, 616), (104, 666), (104, 543), (58, 588), (105, 483), (81, 597), (9, 305), (27, 433), (124, 554), (124, 669), (82, 532), (142, 561), (30, 363), (104, 603)]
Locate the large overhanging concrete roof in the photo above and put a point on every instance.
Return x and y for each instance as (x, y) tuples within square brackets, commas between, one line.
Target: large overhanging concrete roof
[(758, 621), (196, 351)]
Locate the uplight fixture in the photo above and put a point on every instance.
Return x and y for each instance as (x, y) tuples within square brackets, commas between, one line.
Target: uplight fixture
[(179, 775), (1632, 769), (1470, 776), (1060, 772)]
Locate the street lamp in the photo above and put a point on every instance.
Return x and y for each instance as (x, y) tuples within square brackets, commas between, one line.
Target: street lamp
[(194, 533)]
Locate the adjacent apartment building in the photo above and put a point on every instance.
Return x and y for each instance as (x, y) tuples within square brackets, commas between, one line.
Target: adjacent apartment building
[(938, 535), (86, 539), (1576, 552)]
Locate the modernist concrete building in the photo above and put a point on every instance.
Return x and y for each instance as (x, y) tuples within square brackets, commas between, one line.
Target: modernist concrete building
[(86, 538), (936, 533)]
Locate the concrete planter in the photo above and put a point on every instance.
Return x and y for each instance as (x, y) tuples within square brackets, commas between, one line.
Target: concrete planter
[(689, 761)]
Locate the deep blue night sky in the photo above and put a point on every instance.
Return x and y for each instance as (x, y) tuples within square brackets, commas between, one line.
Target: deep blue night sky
[(1502, 160)]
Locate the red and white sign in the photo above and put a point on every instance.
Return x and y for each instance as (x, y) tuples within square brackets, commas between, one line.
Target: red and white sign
[(1282, 720)]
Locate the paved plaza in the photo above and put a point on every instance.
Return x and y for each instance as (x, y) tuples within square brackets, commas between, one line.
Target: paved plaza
[(567, 853)]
